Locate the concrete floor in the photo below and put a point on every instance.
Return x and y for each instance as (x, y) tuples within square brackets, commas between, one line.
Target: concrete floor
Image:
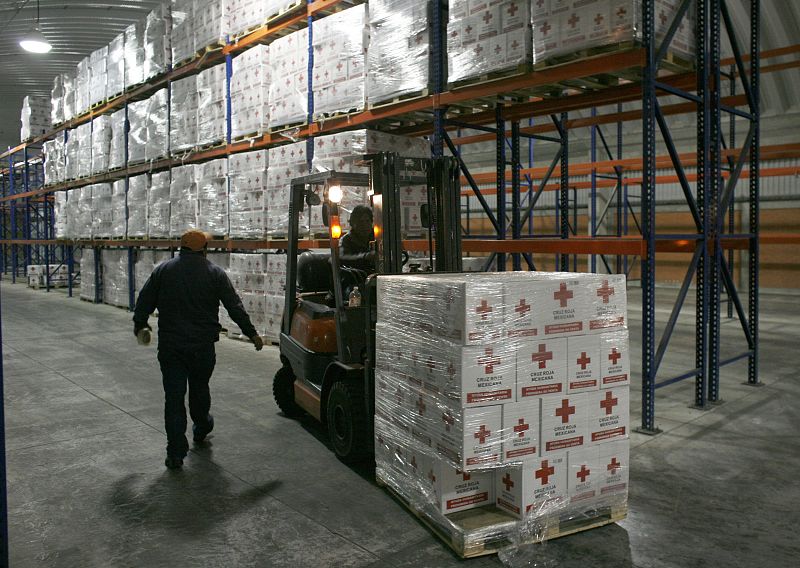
[(88, 487)]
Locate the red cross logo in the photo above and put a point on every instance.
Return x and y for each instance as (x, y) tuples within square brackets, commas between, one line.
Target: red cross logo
[(515, 45), (599, 19), (546, 27), (608, 403), (542, 356), (468, 29), (583, 473), (573, 20), (478, 49), (448, 420), (512, 9), (523, 308), (339, 67), (565, 411), (605, 291), (545, 472), (487, 16), (482, 434), (663, 17), (465, 476), (614, 356), (489, 361), (421, 406), (321, 143), (621, 12), (613, 466), (484, 309), (583, 360), (498, 49), (521, 428), (563, 295), (454, 33), (509, 483)]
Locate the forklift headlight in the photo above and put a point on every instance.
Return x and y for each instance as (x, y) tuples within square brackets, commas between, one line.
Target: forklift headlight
[(335, 193)]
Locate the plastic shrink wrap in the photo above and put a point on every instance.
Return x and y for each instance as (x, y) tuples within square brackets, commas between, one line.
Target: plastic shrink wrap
[(57, 100), (69, 96), (55, 167), (339, 53), (562, 28), (285, 163), (158, 206), (71, 155), (82, 86), (157, 46), (137, 131), (98, 76), (83, 136), (250, 80), (102, 133), (35, 117), (61, 214), (102, 210), (399, 53), (183, 201), (288, 89), (119, 216), (504, 391), (212, 105), (83, 217), (138, 187), (134, 54), (89, 275), (116, 157), (210, 23), (157, 125), (211, 179), (115, 81), (183, 115), (485, 38), (115, 277), (248, 182), (182, 37)]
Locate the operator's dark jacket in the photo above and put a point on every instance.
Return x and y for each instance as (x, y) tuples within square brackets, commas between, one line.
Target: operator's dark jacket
[(187, 291), (354, 252)]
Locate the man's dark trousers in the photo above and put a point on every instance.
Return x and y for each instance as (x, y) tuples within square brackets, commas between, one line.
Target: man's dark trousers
[(179, 366)]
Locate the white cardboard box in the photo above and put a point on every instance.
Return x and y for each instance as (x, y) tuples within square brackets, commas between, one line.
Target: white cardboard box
[(584, 474), (561, 306), (535, 488), (609, 414), (609, 304), (614, 460), (521, 431), (615, 363), (565, 422), (457, 490), (583, 355), (478, 443), (521, 309), (541, 368)]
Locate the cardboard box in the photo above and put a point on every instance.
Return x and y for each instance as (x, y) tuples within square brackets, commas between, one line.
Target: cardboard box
[(520, 309), (609, 304), (584, 474), (521, 431), (614, 468), (471, 437), (615, 363), (565, 422), (457, 490), (541, 368), (561, 306), (534, 488), (583, 356), (609, 414)]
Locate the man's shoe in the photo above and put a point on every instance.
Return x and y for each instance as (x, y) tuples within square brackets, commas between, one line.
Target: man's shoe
[(200, 435), (173, 462)]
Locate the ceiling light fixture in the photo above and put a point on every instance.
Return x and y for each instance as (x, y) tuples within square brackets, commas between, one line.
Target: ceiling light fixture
[(34, 41)]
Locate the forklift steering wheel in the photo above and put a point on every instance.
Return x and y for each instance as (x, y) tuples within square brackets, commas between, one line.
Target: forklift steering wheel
[(404, 258)]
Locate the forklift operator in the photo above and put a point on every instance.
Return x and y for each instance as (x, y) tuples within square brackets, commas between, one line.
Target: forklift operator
[(354, 251)]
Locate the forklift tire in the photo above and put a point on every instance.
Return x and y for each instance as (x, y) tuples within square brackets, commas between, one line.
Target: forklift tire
[(283, 391), (347, 421)]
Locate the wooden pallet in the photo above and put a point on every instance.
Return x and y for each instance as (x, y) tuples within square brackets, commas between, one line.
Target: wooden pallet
[(466, 532), (198, 54), (412, 96), (285, 12), (286, 127), (323, 116), (246, 137), (98, 104)]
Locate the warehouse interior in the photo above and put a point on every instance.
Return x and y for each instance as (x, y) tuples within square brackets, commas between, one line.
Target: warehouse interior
[(523, 147)]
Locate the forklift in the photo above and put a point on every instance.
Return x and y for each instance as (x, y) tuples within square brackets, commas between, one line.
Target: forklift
[(327, 341)]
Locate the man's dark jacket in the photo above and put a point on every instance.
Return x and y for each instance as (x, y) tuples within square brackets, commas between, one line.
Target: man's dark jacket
[(354, 252), (187, 291)]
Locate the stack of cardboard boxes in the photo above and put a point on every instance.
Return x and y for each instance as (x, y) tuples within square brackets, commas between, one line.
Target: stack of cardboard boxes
[(503, 389), (248, 183), (288, 89), (250, 80)]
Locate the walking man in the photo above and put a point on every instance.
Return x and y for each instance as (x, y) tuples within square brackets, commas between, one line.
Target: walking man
[(187, 291)]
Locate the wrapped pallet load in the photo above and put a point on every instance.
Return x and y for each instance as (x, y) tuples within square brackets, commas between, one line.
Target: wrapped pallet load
[(159, 205), (288, 89), (250, 81), (115, 80), (83, 137), (119, 218), (182, 35), (138, 188), (211, 180), (98, 76), (116, 157), (102, 133), (35, 117), (90, 275), (505, 393), (183, 200), (212, 106), (115, 277), (247, 172), (134, 54), (102, 210), (57, 100), (183, 115), (285, 163), (157, 46)]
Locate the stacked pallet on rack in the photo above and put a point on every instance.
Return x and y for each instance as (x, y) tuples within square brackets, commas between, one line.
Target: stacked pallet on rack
[(38, 275), (212, 107), (183, 114), (115, 277), (137, 198), (159, 206), (90, 276), (503, 393), (101, 135), (248, 184), (288, 90), (259, 278), (119, 217), (211, 180), (35, 117), (250, 80)]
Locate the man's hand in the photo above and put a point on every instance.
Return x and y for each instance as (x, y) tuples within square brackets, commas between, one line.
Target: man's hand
[(258, 342), (137, 328)]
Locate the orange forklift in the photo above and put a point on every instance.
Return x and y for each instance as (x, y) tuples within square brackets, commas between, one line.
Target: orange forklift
[(327, 343)]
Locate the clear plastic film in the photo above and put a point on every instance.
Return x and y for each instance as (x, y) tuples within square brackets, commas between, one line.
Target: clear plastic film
[(212, 105), (116, 158), (119, 218), (61, 213), (285, 163), (98, 75), (72, 214), (83, 138), (399, 54), (288, 90), (83, 225), (210, 23), (115, 276), (487, 37), (567, 27), (183, 114), (158, 205), (82, 86), (57, 100), (69, 96), (183, 43), (101, 143), (157, 125), (507, 393), (35, 117), (102, 210), (250, 80), (212, 197), (339, 43), (183, 201), (115, 81), (259, 278), (71, 155), (55, 165), (134, 54), (157, 46), (137, 131), (88, 274), (247, 172), (138, 187)]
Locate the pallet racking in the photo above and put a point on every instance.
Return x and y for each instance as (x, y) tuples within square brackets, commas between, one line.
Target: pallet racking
[(496, 109)]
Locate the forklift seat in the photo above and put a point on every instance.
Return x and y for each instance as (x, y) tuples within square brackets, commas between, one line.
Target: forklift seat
[(314, 273)]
